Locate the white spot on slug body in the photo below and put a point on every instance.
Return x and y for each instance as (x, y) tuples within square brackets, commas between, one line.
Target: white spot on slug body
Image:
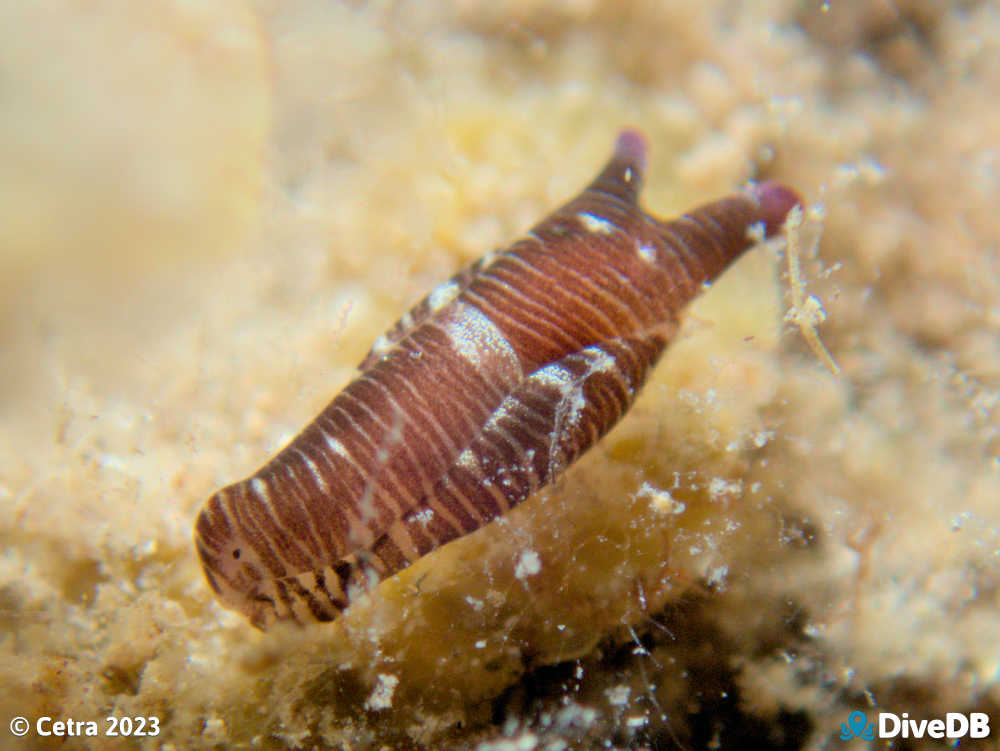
[(424, 516), (337, 447), (313, 470), (475, 337), (260, 488), (467, 460), (553, 375), (382, 345), (597, 224), (442, 295)]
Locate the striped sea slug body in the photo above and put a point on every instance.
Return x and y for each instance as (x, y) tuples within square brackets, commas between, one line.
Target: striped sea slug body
[(483, 393)]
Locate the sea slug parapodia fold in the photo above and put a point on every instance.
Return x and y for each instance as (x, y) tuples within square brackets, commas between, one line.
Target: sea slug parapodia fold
[(483, 393)]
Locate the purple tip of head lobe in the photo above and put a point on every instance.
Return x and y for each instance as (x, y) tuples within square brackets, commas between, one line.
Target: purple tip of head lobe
[(775, 200), (631, 148)]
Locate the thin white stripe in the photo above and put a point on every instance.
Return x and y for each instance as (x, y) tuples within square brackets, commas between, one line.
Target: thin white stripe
[(529, 305), (338, 449), (427, 412), (260, 487), (382, 470), (307, 508), (582, 300), (300, 498), (604, 293), (685, 257), (317, 477), (388, 395), (249, 522), (382, 452)]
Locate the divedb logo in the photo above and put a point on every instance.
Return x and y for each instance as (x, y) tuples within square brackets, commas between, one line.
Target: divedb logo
[(890, 725)]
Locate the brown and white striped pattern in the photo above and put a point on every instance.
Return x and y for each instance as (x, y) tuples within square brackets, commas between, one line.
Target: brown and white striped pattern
[(483, 393)]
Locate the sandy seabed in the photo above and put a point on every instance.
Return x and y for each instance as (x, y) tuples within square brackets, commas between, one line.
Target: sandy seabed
[(209, 210)]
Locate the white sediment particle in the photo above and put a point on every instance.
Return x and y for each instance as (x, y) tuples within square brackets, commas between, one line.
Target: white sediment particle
[(442, 295), (381, 697), (528, 564), (661, 500), (597, 224), (524, 741), (467, 460), (716, 575), (636, 721), (477, 605), (761, 437), (814, 630), (618, 695), (424, 516), (215, 729), (719, 487), (116, 463), (575, 716), (646, 253), (147, 549)]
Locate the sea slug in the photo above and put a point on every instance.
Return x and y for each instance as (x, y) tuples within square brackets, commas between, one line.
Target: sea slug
[(484, 392)]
